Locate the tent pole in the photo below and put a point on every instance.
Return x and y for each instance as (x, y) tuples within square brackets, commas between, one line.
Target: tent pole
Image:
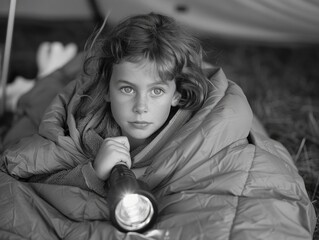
[(6, 58)]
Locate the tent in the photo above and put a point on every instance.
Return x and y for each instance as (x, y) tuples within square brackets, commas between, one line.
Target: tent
[(269, 21)]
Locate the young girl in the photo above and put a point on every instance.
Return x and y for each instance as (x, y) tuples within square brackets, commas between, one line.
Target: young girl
[(140, 74), (142, 70), (144, 99)]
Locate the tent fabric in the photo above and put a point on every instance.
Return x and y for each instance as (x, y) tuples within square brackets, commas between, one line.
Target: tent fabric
[(281, 21), (274, 21), (218, 177)]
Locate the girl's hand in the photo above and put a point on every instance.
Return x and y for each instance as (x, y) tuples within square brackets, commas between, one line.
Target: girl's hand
[(112, 151)]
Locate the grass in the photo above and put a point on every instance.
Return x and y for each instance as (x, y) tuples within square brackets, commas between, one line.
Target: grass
[(281, 84)]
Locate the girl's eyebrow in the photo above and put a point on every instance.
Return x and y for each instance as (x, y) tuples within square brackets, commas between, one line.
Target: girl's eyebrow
[(118, 81), (159, 83)]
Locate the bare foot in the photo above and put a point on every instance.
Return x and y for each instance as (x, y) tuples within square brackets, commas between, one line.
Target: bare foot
[(51, 56)]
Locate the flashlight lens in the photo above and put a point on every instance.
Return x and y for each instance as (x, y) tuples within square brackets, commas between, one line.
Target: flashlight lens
[(134, 212)]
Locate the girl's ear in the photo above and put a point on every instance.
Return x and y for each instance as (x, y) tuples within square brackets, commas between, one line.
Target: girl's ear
[(176, 98)]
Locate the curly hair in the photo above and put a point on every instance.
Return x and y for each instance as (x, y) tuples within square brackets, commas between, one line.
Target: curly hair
[(155, 38)]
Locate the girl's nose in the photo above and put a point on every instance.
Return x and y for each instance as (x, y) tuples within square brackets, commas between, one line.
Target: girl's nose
[(140, 105)]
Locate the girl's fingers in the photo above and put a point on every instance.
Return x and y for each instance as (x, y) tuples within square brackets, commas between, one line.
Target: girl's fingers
[(115, 146), (112, 151), (120, 147), (123, 140), (119, 141)]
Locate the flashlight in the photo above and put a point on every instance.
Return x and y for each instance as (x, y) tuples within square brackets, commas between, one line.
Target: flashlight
[(132, 207)]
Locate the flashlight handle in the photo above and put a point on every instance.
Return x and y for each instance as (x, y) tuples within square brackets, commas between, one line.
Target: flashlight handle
[(121, 170), (122, 177)]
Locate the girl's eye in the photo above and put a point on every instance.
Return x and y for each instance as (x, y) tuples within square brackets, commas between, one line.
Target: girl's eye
[(127, 90), (157, 91)]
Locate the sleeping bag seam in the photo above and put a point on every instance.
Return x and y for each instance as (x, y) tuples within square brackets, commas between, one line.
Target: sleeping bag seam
[(238, 197)]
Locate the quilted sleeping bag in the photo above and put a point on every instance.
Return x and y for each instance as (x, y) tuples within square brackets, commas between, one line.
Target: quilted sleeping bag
[(217, 177)]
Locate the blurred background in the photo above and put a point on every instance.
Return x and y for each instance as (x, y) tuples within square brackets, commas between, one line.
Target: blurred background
[(270, 48)]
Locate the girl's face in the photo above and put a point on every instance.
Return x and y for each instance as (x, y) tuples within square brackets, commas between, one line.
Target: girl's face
[(140, 100)]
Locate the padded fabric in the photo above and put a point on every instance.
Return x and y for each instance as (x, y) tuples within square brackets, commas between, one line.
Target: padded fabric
[(218, 177)]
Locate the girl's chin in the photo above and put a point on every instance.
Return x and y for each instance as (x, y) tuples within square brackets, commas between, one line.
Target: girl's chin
[(138, 139), (138, 135)]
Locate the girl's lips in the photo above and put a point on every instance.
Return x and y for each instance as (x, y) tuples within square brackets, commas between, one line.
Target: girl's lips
[(140, 125)]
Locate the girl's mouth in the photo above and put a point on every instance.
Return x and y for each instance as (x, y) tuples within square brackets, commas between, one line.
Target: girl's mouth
[(140, 124)]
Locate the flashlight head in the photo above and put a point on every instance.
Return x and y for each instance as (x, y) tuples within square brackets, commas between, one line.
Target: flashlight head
[(132, 206), (134, 212)]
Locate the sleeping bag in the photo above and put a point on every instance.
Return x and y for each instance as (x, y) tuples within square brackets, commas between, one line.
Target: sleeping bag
[(216, 176)]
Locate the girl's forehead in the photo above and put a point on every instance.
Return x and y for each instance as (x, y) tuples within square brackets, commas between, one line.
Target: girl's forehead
[(162, 71), (142, 67), (141, 75)]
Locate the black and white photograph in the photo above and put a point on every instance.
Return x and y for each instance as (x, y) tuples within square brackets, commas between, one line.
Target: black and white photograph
[(159, 119)]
